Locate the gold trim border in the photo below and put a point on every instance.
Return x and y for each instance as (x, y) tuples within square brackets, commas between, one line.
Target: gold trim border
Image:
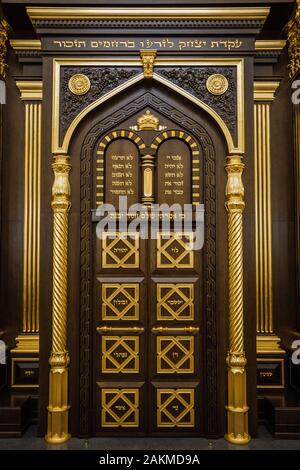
[(46, 13), (237, 62)]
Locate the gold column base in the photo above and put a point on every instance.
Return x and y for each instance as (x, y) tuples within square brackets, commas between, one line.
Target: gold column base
[(58, 399), (268, 344), (27, 343), (237, 409)]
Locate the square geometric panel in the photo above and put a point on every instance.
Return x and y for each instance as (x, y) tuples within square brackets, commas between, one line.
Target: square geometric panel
[(175, 408), (175, 250), (175, 302), (175, 354), (120, 407), (120, 250), (120, 301), (120, 354)]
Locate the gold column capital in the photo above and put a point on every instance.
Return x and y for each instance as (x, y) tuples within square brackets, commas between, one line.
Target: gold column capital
[(236, 360), (30, 90), (4, 29), (61, 190), (59, 359), (234, 187), (148, 57), (265, 90)]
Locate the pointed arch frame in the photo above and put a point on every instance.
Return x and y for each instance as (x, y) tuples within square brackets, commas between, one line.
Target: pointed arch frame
[(59, 148)]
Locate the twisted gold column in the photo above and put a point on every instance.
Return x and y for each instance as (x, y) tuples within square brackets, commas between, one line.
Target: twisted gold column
[(58, 381), (237, 409)]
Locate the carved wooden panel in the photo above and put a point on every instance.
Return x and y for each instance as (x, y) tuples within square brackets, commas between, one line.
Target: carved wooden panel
[(120, 354), (175, 354), (175, 302), (120, 407), (120, 302), (175, 408)]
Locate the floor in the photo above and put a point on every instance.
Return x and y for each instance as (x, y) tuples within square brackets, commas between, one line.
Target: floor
[(31, 442)]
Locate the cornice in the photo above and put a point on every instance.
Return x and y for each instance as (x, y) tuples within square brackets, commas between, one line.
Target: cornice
[(26, 44), (147, 18), (270, 45), (44, 13)]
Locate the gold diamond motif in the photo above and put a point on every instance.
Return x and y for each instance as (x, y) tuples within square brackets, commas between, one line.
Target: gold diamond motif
[(120, 250), (175, 250), (120, 407), (175, 354), (120, 354), (175, 408), (175, 302), (120, 301)]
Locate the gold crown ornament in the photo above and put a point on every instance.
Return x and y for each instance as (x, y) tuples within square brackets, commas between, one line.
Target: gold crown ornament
[(148, 122)]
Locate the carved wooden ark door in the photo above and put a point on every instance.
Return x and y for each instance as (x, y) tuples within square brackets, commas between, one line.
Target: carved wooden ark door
[(148, 368)]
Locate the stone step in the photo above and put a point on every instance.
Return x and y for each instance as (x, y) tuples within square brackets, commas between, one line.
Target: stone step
[(17, 412), (282, 415)]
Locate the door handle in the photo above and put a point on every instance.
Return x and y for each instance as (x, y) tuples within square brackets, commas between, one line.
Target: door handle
[(131, 329), (166, 329)]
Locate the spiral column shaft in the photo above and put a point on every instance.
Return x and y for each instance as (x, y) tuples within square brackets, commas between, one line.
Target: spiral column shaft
[(59, 360), (237, 409)]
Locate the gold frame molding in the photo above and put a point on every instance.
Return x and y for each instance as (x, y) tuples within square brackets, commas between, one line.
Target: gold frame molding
[(128, 61)]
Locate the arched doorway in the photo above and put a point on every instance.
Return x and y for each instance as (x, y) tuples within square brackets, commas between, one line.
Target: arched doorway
[(142, 356)]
